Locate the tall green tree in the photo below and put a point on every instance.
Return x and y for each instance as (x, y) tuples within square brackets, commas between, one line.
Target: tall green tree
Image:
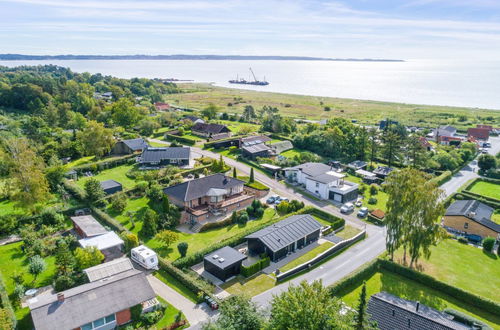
[(88, 257), (308, 306), (391, 146), (29, 185), (237, 313), (249, 113), (93, 190), (36, 266), (361, 318), (125, 113), (413, 208), (210, 111), (487, 162), (96, 139), (252, 176), (373, 144), (149, 223)]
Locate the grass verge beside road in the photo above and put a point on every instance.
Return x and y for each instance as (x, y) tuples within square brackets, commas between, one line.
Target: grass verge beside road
[(251, 286), (176, 285)]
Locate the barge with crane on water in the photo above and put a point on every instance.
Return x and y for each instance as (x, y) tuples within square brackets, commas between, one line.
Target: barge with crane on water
[(249, 82)]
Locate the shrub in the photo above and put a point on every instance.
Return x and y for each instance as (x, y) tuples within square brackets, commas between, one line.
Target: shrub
[(141, 186), (135, 312), (372, 201), (259, 212), (488, 244), (243, 218), (256, 267), (151, 317), (63, 282), (182, 247), (373, 189), (463, 240), (130, 241), (119, 202), (104, 217)]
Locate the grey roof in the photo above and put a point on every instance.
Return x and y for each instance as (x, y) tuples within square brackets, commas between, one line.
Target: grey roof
[(108, 269), (448, 128), (196, 188), (474, 210), (151, 155), (287, 231), (391, 312), (256, 148), (311, 169), (210, 128), (136, 144), (89, 225), (281, 146), (108, 184), (326, 178), (357, 164), (383, 170), (255, 139), (193, 118), (225, 257), (91, 301)]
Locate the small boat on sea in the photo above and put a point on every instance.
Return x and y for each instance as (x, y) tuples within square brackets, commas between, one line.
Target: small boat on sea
[(249, 82)]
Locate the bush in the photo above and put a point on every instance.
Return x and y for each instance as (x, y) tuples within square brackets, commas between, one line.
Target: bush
[(488, 244), (151, 318), (373, 189), (10, 318), (135, 312), (182, 247), (243, 218), (463, 240), (111, 222), (63, 282), (372, 201), (256, 267)]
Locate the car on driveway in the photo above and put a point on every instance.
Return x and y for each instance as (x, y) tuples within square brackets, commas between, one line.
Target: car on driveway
[(363, 212), (347, 208), (358, 203), (271, 200)]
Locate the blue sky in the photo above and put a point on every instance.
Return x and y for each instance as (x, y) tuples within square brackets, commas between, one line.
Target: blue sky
[(358, 28)]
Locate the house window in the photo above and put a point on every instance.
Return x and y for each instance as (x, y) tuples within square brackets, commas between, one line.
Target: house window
[(98, 323), (152, 259), (87, 326), (110, 318), (466, 225), (317, 184)]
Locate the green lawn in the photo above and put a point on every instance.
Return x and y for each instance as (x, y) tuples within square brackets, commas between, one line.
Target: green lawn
[(9, 207), (408, 289), (251, 286), (236, 126), (117, 173), (169, 316), (487, 189), (196, 241), (176, 285), (80, 161), (348, 232), (291, 153), (13, 260), (156, 144), (380, 196), (306, 257), (465, 267), (496, 216)]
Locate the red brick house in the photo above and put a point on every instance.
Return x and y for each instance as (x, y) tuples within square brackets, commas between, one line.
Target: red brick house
[(488, 127), (102, 304), (209, 197), (479, 133)]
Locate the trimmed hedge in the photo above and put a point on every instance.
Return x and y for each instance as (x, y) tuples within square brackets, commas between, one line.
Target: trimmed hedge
[(179, 139), (466, 319), (355, 278), (472, 299), (5, 302), (336, 221), (482, 199), (196, 285), (74, 190), (442, 178), (256, 267), (104, 164), (104, 217), (218, 224)]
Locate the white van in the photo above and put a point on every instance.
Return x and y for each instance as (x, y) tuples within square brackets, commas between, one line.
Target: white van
[(145, 257)]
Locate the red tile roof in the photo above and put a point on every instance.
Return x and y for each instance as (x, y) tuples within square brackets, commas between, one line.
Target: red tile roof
[(479, 133), (378, 214), (162, 106), (489, 127)]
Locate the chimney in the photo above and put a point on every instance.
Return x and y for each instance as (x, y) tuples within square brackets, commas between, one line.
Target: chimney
[(60, 297), (418, 305)]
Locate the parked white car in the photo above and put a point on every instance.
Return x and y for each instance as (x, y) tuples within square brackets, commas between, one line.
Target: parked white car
[(347, 208)]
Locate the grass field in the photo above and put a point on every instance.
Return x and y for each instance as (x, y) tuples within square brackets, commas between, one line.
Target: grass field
[(251, 286), (306, 257), (348, 232), (117, 173), (465, 267), (407, 289), (236, 126), (487, 189), (13, 260), (198, 96)]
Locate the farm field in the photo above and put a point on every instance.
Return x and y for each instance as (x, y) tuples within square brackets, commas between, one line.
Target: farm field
[(118, 173), (408, 289), (487, 189), (463, 266), (197, 96)]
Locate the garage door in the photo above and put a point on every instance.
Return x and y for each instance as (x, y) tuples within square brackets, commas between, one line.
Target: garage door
[(334, 196)]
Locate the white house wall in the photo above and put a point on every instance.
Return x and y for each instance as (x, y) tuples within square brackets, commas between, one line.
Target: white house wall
[(317, 188)]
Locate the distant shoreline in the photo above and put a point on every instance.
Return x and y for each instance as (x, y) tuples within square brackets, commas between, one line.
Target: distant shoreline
[(21, 57)]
